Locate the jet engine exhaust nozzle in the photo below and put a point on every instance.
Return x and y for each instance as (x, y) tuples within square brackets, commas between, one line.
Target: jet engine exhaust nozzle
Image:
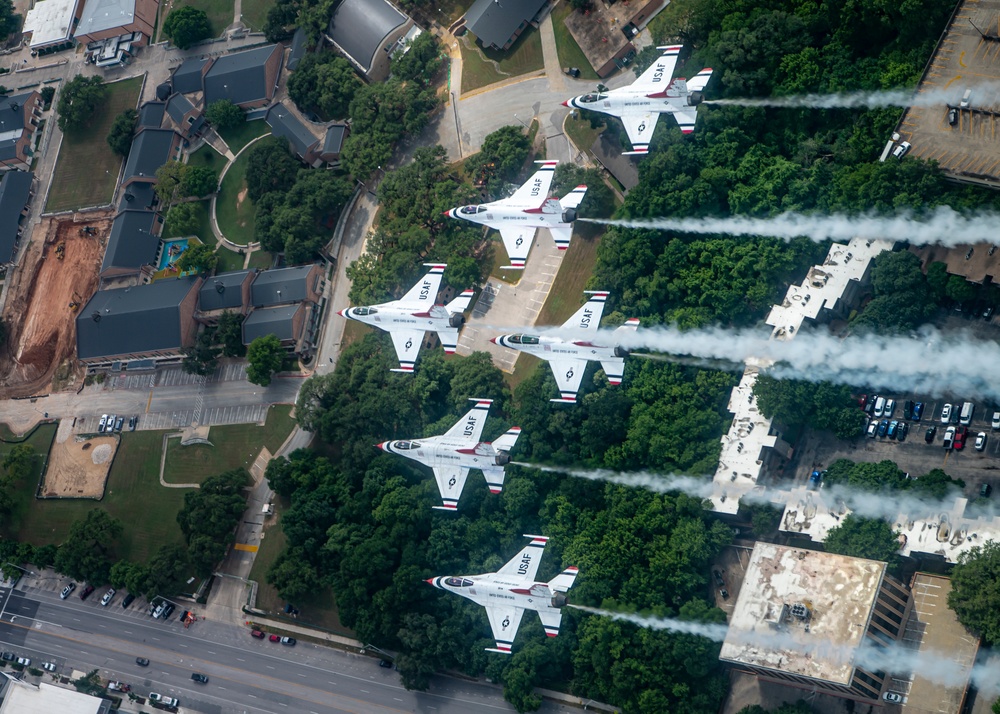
[(695, 98), (456, 320), (569, 215), (502, 458), (559, 600), (621, 351)]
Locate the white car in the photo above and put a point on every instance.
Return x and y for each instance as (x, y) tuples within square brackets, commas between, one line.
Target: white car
[(107, 597), (892, 697), (946, 414), (890, 407), (49, 666), (104, 422), (900, 151), (24, 661), (996, 421), (872, 428), (980, 441), (163, 699)]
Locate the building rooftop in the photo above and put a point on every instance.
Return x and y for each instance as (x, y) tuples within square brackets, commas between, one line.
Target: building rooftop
[(802, 612), (131, 243), (12, 123), (285, 124), (493, 23), (359, 28), (151, 114), (187, 77), (151, 148), (15, 187), (280, 286), (101, 15), (143, 318), (240, 76), (23, 698), (223, 292), (298, 49), (270, 321), (138, 196), (333, 142), (50, 22)]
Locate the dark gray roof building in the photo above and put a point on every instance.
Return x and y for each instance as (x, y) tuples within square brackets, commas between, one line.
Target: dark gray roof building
[(132, 243), (151, 114), (285, 124), (187, 77), (223, 292), (298, 50), (497, 24), (151, 148), (284, 285), (145, 320), (15, 189), (12, 118), (276, 321), (244, 78), (333, 142), (365, 31), (188, 119), (138, 196)]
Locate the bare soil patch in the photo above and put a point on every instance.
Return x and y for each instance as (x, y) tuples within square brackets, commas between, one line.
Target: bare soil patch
[(38, 312), (78, 467)]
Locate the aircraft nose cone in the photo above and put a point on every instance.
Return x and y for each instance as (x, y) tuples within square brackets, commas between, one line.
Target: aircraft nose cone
[(341, 312), (494, 339), (566, 103), (448, 212), (382, 446)]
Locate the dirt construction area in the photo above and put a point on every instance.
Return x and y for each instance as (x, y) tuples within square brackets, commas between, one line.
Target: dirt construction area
[(78, 466), (56, 277)]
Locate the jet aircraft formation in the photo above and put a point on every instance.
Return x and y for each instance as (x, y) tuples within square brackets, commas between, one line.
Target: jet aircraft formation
[(513, 589)]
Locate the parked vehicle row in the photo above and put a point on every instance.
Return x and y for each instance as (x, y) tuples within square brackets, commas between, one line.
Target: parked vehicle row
[(878, 406), (894, 429), (113, 422)]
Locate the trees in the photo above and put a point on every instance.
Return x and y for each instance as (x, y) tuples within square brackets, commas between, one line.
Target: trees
[(421, 62), (201, 358), (10, 22), (599, 202), (120, 136), (183, 219), (292, 222), (79, 99), (504, 152), (864, 538), (198, 181), (168, 181), (229, 334), (265, 355), (17, 465), (821, 405), (324, 82), (223, 115), (903, 298), (271, 167), (187, 25), (88, 550), (975, 590), (210, 516)]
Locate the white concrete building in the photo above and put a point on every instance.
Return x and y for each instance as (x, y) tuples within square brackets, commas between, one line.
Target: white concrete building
[(51, 22)]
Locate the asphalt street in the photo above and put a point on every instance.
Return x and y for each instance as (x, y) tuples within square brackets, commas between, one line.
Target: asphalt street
[(245, 674)]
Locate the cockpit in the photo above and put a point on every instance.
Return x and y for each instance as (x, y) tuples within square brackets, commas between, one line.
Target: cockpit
[(588, 98), (365, 311), (472, 210), (524, 339), (405, 445), (458, 582)]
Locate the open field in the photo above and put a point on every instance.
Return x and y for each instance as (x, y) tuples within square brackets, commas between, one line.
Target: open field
[(261, 259), (255, 13), (581, 133), (207, 157), (78, 466), (41, 324), (233, 446), (40, 440), (87, 170), (570, 54), (483, 67), (245, 133), (220, 13), (234, 211)]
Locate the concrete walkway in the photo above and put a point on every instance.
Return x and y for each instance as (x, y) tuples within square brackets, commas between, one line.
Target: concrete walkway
[(553, 70)]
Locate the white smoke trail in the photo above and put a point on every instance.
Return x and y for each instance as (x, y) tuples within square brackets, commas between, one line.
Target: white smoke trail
[(714, 632), (942, 226), (859, 100)]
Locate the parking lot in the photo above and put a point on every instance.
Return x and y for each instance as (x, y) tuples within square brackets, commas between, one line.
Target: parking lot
[(817, 450)]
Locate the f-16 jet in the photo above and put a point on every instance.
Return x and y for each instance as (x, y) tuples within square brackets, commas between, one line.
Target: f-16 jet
[(408, 318), (528, 209), (452, 455), (568, 358), (640, 105), (507, 593)]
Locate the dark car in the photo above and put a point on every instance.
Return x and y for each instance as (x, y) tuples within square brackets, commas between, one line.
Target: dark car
[(904, 429), (718, 578), (930, 434), (952, 116), (167, 610), (987, 312), (201, 678), (85, 593), (119, 423), (883, 427), (985, 490), (290, 641), (127, 600), (573, 72), (7, 656), (724, 593), (132, 421), (918, 411), (384, 663), (259, 634), (907, 409), (869, 406), (142, 661)]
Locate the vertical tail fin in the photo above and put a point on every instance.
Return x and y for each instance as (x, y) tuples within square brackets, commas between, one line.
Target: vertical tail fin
[(574, 197)]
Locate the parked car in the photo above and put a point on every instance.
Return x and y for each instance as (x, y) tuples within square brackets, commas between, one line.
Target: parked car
[(167, 610), (893, 428), (119, 423), (985, 490), (85, 593), (49, 666), (870, 404), (890, 407), (274, 638), (949, 437), (995, 422), (952, 116), (103, 423), (24, 661), (128, 600), (158, 612), (142, 661), (879, 406), (384, 663), (119, 687), (918, 411), (718, 578), (7, 656), (163, 699), (892, 696), (908, 409), (290, 641), (200, 678), (132, 421), (883, 426), (904, 429), (66, 591), (960, 435), (980, 441), (814, 478), (259, 634), (930, 434), (724, 593), (987, 312), (900, 151), (946, 414), (107, 597), (872, 428)]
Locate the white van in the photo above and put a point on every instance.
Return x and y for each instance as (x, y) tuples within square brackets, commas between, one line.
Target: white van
[(967, 410), (966, 98), (879, 406)]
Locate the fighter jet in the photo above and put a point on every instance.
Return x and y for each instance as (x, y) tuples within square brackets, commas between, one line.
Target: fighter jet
[(568, 358), (508, 593), (453, 454), (528, 209), (408, 318), (639, 105)]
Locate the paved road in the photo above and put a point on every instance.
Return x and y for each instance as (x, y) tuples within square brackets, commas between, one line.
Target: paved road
[(245, 675)]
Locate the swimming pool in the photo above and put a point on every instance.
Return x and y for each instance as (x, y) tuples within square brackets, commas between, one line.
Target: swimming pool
[(172, 250)]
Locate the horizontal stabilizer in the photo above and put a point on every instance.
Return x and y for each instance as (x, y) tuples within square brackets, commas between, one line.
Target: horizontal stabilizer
[(564, 581), (507, 439), (494, 649), (574, 197), (629, 325), (449, 339), (638, 151), (494, 479), (561, 235), (565, 400), (461, 303)]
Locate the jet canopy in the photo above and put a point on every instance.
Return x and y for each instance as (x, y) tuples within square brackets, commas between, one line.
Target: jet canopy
[(405, 445), (524, 339), (459, 582), (472, 210), (365, 311), (588, 98)]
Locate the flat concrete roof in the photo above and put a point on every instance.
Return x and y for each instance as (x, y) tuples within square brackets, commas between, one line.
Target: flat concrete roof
[(21, 698), (50, 21), (100, 15), (933, 627), (837, 591)]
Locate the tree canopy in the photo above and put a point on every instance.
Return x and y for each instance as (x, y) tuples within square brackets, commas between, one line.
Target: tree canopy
[(122, 130), (820, 405), (210, 516), (79, 99), (187, 25), (858, 537), (324, 82), (975, 590), (265, 355), (223, 115)]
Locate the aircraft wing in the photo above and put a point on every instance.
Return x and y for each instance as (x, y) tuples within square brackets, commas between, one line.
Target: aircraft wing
[(407, 344), (450, 481), (551, 619), (424, 293), (657, 76), (504, 619), (588, 317), (471, 425), (686, 120), (535, 190), (525, 564), (568, 373), (517, 241), (639, 128)]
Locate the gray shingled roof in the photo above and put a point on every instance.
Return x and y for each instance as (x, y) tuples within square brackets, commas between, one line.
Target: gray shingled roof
[(178, 108), (359, 28), (131, 243), (277, 287), (151, 148), (151, 114), (143, 197), (269, 321), (333, 142), (143, 318), (285, 124), (223, 292), (187, 77), (239, 77), (14, 189), (494, 22), (11, 123), (298, 50)]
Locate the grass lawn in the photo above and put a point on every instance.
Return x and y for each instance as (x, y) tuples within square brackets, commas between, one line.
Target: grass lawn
[(482, 67), (229, 260), (87, 170), (235, 216), (566, 295), (523, 369), (235, 445), (255, 13), (580, 132), (134, 496), (261, 259), (220, 13), (570, 54), (207, 157), (245, 133)]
